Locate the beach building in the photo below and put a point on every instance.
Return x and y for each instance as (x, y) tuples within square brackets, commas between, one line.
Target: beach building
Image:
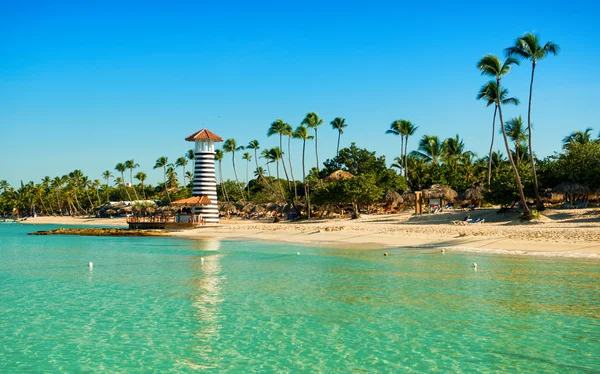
[(205, 179)]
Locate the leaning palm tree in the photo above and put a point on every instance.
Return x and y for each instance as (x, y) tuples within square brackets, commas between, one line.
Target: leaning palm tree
[(528, 47), (302, 133), (339, 124), (289, 132), (219, 158), (275, 155), (278, 127), (489, 92), (130, 164), (254, 145), (407, 129), (120, 167), (516, 133), (265, 154), (141, 176), (231, 146), (490, 65), (313, 121), (577, 137), (395, 130)]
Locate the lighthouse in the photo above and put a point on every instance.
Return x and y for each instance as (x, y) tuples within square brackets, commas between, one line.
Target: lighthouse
[(205, 180)]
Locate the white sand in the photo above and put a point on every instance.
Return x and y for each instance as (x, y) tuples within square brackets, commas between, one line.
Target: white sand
[(568, 233)]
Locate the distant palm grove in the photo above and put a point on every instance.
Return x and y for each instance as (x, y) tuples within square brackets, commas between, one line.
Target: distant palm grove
[(512, 178)]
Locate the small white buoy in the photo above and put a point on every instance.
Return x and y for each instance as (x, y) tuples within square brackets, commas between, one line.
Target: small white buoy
[(385, 254), (298, 253), (201, 259), (443, 250), (90, 264), (474, 265)]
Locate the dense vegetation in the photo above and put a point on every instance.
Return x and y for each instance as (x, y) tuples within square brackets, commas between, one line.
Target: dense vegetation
[(511, 176)]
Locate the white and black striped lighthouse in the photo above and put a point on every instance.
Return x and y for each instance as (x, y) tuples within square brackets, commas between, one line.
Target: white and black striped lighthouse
[(205, 179)]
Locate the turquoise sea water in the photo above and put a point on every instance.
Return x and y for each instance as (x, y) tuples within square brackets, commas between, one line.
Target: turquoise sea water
[(152, 304)]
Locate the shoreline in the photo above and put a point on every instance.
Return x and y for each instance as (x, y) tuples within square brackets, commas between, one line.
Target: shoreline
[(560, 233)]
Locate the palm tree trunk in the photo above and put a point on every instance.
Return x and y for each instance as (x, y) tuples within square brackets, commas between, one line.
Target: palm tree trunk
[(517, 158), (402, 153), (223, 189), (538, 200), (247, 184), (283, 162), (235, 173), (406, 159), (526, 210), (492, 146), (291, 170), (260, 174), (281, 189), (317, 153), (306, 192), (337, 152)]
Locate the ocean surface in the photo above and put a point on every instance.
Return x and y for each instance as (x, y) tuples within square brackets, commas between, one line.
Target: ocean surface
[(178, 305)]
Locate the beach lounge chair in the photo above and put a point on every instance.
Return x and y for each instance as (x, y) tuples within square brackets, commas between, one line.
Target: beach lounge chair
[(474, 221), (463, 221)]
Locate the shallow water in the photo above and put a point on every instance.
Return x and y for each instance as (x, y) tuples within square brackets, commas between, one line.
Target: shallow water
[(153, 304)]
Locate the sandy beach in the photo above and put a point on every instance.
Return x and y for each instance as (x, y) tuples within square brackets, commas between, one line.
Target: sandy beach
[(559, 232)]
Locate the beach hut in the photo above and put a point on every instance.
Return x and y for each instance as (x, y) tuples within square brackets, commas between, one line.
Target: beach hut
[(437, 195), (475, 195), (338, 175), (392, 200)]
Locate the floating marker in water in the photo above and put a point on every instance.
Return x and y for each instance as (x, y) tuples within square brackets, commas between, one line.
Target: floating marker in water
[(386, 254), (474, 265), (443, 250), (201, 259), (90, 264), (298, 253)]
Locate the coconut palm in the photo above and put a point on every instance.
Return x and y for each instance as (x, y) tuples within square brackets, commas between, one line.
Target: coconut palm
[(528, 47), (163, 162), (577, 137), (107, 175), (141, 176), (130, 164), (278, 127), (302, 133), (275, 155), (265, 154), (430, 149), (491, 65), (246, 156), (339, 124), (231, 146), (407, 129), (516, 133), (453, 149), (182, 161), (489, 92), (96, 185), (395, 130), (219, 158), (254, 145), (313, 121), (289, 132)]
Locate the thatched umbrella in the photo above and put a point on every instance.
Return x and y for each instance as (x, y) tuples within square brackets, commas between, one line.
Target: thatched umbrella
[(409, 197), (338, 175), (248, 208), (475, 193), (439, 191), (257, 209), (572, 189), (393, 198)]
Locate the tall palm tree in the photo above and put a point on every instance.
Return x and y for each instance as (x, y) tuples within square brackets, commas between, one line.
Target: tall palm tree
[(130, 164), (182, 161), (395, 130), (302, 133), (266, 155), (96, 186), (407, 129), (219, 158), (163, 162), (275, 155), (107, 175), (191, 156), (430, 149), (141, 176), (577, 137), (453, 150), (278, 127), (528, 47), (339, 124), (516, 133), (289, 132), (246, 156), (120, 167), (491, 65), (254, 145), (489, 92), (313, 121), (231, 146)]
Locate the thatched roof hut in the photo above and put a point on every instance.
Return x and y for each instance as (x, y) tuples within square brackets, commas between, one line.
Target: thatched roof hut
[(475, 193), (572, 188), (338, 175), (192, 201), (439, 191), (409, 197), (393, 198)]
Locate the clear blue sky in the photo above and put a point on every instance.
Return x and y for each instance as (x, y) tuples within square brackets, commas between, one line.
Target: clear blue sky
[(87, 86)]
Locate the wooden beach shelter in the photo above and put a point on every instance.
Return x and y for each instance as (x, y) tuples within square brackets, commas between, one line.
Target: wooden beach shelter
[(572, 190), (437, 194)]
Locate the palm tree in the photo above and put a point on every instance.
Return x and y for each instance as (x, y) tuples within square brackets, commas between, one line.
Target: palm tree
[(231, 146), (302, 133), (96, 186), (163, 162), (339, 124), (407, 129), (453, 150), (219, 158), (191, 156), (182, 161), (130, 164), (278, 127), (275, 155), (395, 130), (516, 133), (246, 156), (489, 92), (290, 133), (265, 154), (120, 167), (430, 149), (107, 175), (577, 137), (313, 121), (141, 176), (490, 65), (528, 47)]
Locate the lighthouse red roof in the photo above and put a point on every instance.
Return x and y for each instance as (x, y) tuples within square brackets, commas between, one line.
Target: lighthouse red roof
[(204, 134)]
